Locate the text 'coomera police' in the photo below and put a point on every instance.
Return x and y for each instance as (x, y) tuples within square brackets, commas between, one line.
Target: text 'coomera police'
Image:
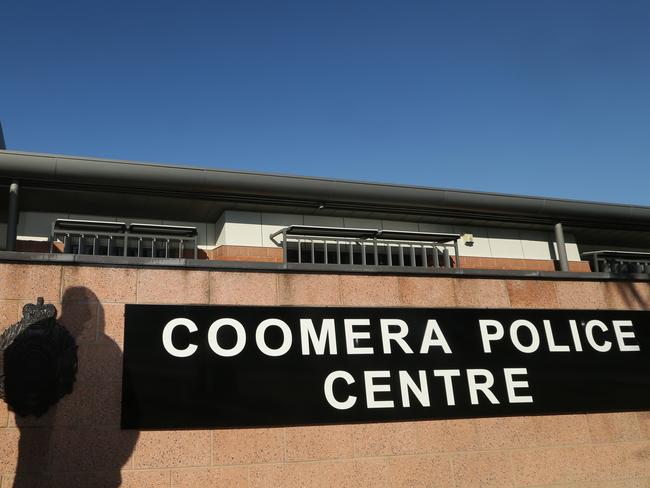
[(525, 336)]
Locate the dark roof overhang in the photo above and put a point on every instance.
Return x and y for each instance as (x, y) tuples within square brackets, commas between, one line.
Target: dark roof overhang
[(269, 191)]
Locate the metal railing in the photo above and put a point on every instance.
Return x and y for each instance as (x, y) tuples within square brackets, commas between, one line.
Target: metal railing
[(367, 247), (609, 261), (102, 238)]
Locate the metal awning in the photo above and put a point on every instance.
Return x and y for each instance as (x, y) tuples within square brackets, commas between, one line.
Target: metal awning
[(360, 233), (171, 230), (89, 225), (321, 231), (419, 246), (402, 235), (102, 234)]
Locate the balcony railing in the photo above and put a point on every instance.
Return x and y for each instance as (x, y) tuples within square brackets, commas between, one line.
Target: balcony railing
[(609, 261), (367, 247), (119, 239)]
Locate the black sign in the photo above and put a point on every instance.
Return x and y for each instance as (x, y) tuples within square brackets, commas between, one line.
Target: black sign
[(227, 366)]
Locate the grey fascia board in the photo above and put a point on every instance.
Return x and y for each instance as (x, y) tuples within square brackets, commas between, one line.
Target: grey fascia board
[(340, 194)]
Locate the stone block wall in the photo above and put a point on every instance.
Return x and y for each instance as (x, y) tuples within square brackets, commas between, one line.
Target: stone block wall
[(79, 443)]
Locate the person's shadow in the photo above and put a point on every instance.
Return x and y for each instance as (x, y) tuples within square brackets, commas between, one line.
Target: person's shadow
[(78, 442)]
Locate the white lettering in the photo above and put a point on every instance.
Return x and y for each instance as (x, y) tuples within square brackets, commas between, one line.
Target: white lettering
[(514, 336), (260, 338), (327, 336), (214, 343), (353, 337), (167, 338), (552, 347), (605, 346), (622, 335), (483, 387), (512, 384), (420, 391), (447, 374), (488, 336), (329, 393), (372, 388), (574, 334), (433, 336), (397, 336)]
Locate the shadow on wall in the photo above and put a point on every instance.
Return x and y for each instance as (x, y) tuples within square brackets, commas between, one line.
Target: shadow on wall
[(635, 295), (78, 442)]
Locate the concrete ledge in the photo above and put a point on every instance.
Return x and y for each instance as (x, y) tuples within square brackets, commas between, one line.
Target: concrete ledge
[(204, 264)]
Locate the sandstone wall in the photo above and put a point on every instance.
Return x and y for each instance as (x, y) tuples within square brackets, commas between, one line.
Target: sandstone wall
[(79, 443)]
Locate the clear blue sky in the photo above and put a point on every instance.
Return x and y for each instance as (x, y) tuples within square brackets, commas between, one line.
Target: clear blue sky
[(531, 97)]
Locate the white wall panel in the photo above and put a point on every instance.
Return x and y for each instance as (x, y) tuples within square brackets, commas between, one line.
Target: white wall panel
[(399, 225), (440, 228), (361, 223), (272, 222), (323, 220), (243, 228), (536, 244), (505, 243), (253, 229), (572, 251), (481, 247)]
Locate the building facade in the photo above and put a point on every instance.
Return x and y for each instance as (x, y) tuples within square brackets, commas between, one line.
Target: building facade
[(93, 236)]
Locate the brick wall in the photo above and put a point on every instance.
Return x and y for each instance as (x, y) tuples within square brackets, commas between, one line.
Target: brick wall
[(274, 255), (246, 253), (79, 442), (472, 262)]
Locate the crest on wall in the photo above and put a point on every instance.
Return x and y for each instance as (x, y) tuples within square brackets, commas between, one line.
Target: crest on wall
[(38, 361)]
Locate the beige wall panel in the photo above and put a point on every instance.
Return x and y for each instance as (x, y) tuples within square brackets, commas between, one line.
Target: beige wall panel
[(481, 246), (505, 243), (572, 251), (243, 228), (323, 220), (536, 244), (362, 223), (441, 228), (273, 222), (399, 225)]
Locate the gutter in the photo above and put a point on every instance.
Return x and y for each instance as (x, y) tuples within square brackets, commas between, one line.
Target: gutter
[(126, 176)]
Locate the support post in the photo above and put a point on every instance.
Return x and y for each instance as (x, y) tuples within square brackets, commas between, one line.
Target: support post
[(561, 247), (445, 257), (284, 245), (12, 217), (456, 254)]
